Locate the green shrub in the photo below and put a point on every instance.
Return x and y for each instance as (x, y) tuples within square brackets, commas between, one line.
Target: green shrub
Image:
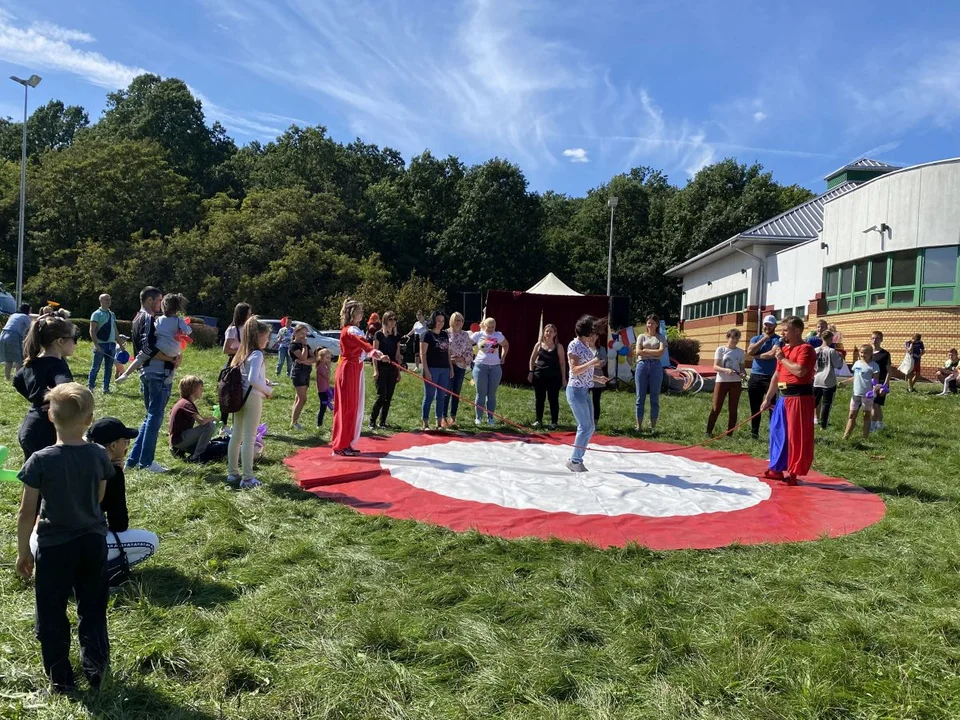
[(204, 336), (684, 351)]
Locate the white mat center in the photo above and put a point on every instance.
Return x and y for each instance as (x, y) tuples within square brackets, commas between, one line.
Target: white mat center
[(533, 476)]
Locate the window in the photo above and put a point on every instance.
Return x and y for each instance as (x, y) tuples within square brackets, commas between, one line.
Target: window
[(731, 303), (904, 278), (801, 312)]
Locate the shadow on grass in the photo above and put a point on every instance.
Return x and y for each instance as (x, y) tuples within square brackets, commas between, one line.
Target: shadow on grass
[(299, 441), (903, 490), (120, 699), (168, 587), (321, 493)]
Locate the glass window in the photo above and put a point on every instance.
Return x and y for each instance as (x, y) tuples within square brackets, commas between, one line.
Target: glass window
[(878, 273), (878, 298), (845, 303), (846, 280), (833, 277), (859, 301), (902, 297), (831, 306), (801, 312), (860, 277), (940, 266), (941, 294), (904, 269)]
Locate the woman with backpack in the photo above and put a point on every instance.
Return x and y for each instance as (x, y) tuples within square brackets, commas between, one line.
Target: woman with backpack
[(348, 410), (249, 361)]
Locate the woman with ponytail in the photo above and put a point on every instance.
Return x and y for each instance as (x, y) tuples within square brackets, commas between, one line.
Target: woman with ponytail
[(50, 341), (348, 404)]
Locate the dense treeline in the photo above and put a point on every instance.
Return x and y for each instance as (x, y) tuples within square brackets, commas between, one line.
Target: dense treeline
[(153, 194)]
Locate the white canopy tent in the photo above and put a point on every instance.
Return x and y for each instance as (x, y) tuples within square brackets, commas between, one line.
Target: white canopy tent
[(552, 285)]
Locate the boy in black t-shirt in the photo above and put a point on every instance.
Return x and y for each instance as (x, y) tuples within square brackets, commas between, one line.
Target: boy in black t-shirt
[(882, 358), (71, 478)]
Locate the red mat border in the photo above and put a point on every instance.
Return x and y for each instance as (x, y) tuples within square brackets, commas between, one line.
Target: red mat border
[(820, 506)]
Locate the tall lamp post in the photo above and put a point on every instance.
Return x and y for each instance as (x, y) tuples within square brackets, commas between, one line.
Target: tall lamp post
[(30, 82), (612, 202)]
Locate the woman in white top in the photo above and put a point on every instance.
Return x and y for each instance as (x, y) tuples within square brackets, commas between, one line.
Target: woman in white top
[(487, 367), (231, 337), (648, 374), (256, 388), (584, 363), (728, 361)]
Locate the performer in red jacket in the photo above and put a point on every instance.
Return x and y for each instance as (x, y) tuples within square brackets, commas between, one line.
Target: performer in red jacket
[(791, 426), (348, 411)]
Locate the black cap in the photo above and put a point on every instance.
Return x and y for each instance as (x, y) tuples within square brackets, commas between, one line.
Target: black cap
[(107, 430)]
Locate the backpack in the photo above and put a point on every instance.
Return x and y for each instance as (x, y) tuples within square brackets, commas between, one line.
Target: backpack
[(117, 571), (230, 392)]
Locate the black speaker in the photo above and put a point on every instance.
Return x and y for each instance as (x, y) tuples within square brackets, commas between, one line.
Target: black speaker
[(472, 308), (620, 312)]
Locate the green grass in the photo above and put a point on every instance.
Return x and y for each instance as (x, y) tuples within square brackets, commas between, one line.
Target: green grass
[(273, 604)]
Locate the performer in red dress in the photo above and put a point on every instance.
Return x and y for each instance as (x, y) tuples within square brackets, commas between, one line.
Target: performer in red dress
[(348, 411), (791, 427)]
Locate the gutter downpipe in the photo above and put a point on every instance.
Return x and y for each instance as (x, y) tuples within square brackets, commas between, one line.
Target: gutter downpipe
[(761, 287)]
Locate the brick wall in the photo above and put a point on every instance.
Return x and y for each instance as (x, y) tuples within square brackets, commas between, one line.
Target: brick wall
[(712, 331), (940, 328)]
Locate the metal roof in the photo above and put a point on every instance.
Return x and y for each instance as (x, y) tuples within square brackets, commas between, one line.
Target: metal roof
[(863, 164), (799, 224)]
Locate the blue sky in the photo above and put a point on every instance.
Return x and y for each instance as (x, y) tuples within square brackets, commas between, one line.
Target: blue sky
[(573, 91)]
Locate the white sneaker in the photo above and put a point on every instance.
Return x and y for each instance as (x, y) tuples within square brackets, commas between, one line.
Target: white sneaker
[(249, 483), (156, 467), (477, 422), (298, 427)]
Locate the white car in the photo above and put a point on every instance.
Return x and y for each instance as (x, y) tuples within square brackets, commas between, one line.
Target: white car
[(315, 338)]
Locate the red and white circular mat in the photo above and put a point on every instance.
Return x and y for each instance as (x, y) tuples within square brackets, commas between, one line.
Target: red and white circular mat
[(665, 498)]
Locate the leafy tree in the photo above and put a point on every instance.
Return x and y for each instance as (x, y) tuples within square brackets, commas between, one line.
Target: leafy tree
[(51, 127), (165, 111)]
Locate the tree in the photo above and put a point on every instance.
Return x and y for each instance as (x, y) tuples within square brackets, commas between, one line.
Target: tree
[(165, 111), (51, 127)]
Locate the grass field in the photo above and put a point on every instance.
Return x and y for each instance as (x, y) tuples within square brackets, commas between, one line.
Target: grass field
[(273, 604)]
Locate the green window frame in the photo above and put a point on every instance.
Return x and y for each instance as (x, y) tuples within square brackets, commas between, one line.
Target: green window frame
[(713, 307), (905, 278)]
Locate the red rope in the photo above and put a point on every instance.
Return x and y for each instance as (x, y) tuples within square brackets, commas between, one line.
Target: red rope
[(546, 436)]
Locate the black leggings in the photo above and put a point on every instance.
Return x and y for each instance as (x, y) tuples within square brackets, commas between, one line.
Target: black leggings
[(823, 399), (596, 403), (547, 389), (756, 390), (386, 384)]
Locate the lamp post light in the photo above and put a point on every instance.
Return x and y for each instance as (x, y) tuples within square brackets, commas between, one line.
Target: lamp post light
[(30, 82), (612, 202)]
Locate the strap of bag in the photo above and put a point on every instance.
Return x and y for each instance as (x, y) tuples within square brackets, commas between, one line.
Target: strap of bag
[(123, 553)]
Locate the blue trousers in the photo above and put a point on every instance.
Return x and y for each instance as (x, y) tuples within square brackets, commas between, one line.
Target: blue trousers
[(487, 378), (456, 385), (107, 352), (156, 393), (284, 357), (648, 377), (582, 406), (441, 376)]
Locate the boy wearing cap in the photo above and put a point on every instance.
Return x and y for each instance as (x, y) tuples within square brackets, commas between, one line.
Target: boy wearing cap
[(69, 480), (761, 349)]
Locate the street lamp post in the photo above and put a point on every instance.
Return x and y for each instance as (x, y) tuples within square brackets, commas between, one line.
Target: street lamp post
[(612, 202), (30, 82)]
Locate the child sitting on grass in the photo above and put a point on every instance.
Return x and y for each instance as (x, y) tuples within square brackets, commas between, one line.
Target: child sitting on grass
[(69, 480), (169, 330), (864, 372), (324, 391), (191, 433)]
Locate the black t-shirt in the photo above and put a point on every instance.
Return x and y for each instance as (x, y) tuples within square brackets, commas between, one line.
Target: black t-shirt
[(387, 344), (33, 380), (438, 348), (295, 350), (114, 504), (547, 365), (882, 358)]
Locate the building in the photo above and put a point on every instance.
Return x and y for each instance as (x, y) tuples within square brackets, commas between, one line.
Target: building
[(877, 250)]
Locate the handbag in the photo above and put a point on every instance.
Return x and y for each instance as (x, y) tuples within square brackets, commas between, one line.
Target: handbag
[(118, 569), (906, 367)]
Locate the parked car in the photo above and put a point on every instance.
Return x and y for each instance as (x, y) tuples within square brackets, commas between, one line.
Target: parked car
[(315, 338)]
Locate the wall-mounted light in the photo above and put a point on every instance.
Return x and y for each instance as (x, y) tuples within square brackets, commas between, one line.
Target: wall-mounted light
[(743, 271), (709, 282), (884, 228), (824, 246)]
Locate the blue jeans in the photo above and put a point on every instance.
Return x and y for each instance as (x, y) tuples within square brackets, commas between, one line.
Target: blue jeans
[(283, 356), (441, 376), (582, 406), (487, 378), (456, 385), (107, 353), (156, 393), (649, 377)]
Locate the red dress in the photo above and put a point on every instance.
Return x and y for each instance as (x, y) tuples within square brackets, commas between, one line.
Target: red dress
[(348, 410), (799, 409)]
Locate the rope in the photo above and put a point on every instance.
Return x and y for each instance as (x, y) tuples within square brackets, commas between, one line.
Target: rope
[(546, 436)]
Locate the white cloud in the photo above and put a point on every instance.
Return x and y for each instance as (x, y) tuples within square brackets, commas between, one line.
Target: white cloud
[(45, 46), (759, 116), (576, 155)]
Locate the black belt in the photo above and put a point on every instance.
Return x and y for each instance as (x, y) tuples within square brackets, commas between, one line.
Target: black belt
[(795, 390)]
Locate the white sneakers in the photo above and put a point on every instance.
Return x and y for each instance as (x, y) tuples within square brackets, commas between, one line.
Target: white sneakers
[(249, 483), (155, 467)]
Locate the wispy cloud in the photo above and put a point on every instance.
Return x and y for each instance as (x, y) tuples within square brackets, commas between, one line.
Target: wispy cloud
[(576, 155), (45, 46), (759, 116)]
